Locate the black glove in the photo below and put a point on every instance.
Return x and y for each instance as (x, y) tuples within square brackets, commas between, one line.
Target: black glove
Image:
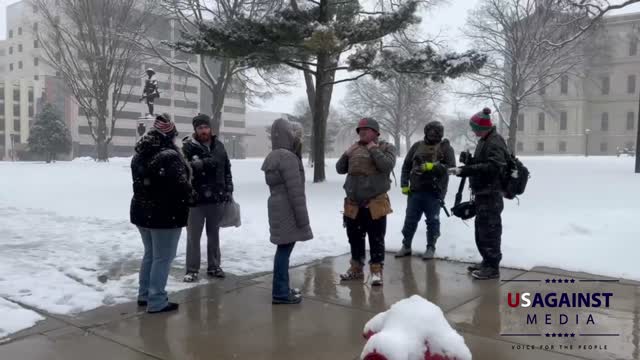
[(227, 197)]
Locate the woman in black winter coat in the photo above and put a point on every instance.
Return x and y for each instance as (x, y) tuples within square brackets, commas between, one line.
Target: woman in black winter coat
[(159, 208)]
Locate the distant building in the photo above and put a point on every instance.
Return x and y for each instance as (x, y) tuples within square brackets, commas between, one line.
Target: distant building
[(22, 60), (594, 114)]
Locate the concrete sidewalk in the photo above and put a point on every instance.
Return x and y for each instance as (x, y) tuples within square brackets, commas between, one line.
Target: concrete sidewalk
[(234, 318)]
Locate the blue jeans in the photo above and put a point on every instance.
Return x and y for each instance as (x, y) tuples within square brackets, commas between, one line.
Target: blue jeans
[(160, 246), (418, 203), (281, 271)]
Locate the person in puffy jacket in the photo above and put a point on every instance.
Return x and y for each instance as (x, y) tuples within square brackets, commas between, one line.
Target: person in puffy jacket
[(287, 205), (162, 194)]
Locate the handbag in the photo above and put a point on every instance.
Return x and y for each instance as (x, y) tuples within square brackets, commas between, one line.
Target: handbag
[(231, 215), (464, 210)]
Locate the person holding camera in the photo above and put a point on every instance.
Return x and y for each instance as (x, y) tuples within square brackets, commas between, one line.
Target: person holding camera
[(368, 163), (425, 180), (485, 171)]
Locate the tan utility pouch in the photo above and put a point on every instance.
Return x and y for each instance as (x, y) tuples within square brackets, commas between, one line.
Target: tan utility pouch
[(380, 206), (350, 209)]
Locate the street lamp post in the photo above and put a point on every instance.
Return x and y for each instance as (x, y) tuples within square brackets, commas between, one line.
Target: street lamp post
[(586, 142)]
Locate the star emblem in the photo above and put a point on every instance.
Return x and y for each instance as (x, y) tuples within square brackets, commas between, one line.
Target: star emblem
[(547, 281), (553, 281), (573, 335), (566, 281), (566, 335), (573, 281), (553, 335), (547, 335)]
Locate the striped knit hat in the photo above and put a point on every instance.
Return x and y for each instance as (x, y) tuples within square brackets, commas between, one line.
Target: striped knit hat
[(164, 124), (481, 121)]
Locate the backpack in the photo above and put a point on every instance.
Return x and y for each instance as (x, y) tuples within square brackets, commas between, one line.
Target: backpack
[(514, 181)]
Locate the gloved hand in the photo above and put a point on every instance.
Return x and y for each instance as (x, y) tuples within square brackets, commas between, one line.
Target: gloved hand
[(405, 190), (227, 197), (428, 166), (455, 171)]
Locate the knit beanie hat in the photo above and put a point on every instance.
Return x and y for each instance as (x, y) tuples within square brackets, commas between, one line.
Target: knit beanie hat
[(481, 121), (201, 119), (164, 124)]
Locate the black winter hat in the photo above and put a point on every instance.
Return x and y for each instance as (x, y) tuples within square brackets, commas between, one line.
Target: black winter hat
[(201, 119), (434, 131)]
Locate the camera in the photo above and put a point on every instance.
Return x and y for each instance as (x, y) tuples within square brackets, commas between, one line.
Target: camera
[(466, 157)]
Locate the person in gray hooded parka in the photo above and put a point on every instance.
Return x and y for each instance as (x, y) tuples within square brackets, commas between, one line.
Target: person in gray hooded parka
[(287, 205)]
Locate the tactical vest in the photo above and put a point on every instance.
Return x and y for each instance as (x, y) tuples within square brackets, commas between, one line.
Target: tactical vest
[(425, 180), (427, 153), (361, 163)]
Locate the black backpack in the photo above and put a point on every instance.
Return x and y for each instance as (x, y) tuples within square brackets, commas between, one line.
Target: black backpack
[(515, 178)]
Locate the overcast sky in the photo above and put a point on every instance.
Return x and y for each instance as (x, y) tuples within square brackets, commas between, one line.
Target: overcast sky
[(446, 21)]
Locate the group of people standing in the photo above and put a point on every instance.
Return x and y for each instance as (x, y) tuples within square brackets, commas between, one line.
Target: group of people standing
[(175, 188)]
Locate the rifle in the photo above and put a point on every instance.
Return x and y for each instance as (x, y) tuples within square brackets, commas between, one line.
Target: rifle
[(460, 190)]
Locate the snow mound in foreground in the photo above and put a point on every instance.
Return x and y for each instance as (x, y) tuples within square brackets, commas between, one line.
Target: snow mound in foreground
[(16, 318), (413, 329)]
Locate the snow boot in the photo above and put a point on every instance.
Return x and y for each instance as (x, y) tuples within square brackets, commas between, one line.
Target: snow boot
[(292, 299), (404, 251), (217, 273), (376, 274), (170, 307), (430, 253), (190, 278), (354, 273), (474, 267), (486, 273)]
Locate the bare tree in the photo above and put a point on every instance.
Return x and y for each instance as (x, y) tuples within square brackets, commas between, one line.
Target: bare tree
[(86, 42), (401, 105), (219, 74), (514, 33)]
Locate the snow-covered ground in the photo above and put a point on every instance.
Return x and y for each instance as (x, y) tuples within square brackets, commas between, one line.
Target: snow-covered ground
[(66, 244)]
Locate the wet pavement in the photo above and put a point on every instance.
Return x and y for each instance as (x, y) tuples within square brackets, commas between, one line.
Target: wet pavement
[(234, 318)]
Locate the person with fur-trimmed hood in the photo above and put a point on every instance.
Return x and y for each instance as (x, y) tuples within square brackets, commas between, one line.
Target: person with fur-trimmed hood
[(425, 180), (213, 183)]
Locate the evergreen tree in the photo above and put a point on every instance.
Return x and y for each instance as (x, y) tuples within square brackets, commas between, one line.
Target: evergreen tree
[(314, 36), (49, 135)]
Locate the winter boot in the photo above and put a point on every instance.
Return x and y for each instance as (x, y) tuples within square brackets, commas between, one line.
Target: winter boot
[(217, 273), (354, 273), (474, 267), (486, 273), (404, 251), (430, 253), (376, 274), (291, 300), (191, 278)]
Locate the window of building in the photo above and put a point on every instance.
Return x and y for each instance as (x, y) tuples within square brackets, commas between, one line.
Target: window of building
[(36, 77), (30, 110), (2, 98), (564, 85), (520, 122), (631, 84), (563, 120), (30, 94), (35, 44), (606, 85), (633, 46), (1, 123), (520, 146), (10, 34), (543, 88), (19, 64), (604, 125), (541, 118), (10, 67), (36, 60), (10, 50), (16, 125), (540, 146), (35, 27), (19, 47), (604, 147), (631, 120), (562, 146), (16, 95), (16, 110), (20, 31)]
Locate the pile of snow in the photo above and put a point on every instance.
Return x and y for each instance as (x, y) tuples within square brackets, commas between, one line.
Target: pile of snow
[(413, 329), (16, 318)]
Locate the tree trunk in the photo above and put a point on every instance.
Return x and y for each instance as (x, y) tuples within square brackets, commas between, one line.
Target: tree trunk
[(513, 127), (48, 157), (322, 98), (216, 116), (638, 141), (396, 142), (408, 142)]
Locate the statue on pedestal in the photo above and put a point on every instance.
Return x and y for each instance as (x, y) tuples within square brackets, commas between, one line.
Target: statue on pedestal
[(150, 91)]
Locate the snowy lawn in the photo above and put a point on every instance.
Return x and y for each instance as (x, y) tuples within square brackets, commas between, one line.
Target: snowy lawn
[(66, 244)]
